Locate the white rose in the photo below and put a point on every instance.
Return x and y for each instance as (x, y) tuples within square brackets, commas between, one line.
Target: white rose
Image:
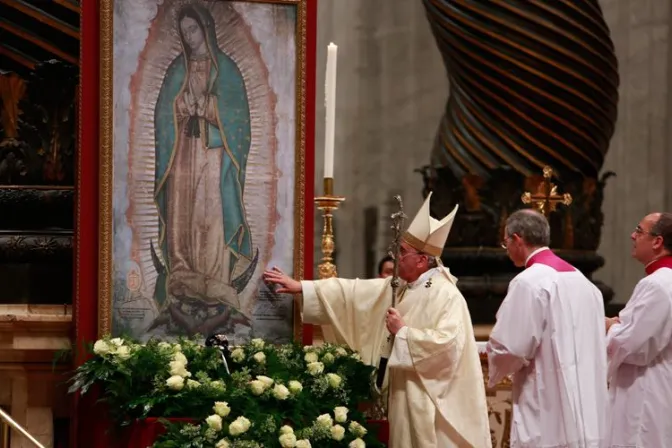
[(221, 408), (295, 387), (257, 343), (245, 422), (238, 355), (117, 342), (179, 357), (287, 440), (311, 357), (175, 382), (315, 368), (191, 384), (280, 392), (260, 357), (328, 358), (308, 348), (357, 443), (334, 380), (325, 420), (357, 430), (177, 368), (268, 382), (101, 347), (257, 387), (337, 432), (223, 444), (341, 414), (123, 352), (303, 443), (219, 385), (239, 426), (286, 430), (340, 351), (215, 422)]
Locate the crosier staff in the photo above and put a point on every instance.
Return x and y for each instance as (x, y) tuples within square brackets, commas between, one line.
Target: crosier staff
[(398, 219)]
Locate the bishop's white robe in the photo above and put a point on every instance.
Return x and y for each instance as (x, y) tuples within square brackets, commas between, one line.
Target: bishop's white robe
[(550, 336), (640, 364), (437, 397)]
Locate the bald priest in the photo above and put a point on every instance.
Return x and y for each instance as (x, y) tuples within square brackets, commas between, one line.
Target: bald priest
[(436, 388)]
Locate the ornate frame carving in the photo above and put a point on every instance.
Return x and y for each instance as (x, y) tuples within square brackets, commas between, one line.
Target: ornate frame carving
[(303, 218)]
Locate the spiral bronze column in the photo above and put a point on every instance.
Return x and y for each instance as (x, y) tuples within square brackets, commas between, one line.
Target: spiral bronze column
[(532, 83)]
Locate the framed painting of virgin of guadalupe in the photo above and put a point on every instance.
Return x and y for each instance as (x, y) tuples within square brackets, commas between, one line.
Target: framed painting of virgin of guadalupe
[(203, 168)]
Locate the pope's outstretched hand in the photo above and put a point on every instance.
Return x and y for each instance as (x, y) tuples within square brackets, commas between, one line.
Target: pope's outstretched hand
[(287, 285)]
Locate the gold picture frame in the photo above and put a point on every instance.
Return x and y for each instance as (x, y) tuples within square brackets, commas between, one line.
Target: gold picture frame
[(303, 155)]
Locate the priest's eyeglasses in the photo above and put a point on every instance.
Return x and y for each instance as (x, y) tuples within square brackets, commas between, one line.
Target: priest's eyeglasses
[(639, 231)]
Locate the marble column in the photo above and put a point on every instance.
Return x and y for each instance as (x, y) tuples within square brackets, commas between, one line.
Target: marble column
[(391, 90), (639, 154)]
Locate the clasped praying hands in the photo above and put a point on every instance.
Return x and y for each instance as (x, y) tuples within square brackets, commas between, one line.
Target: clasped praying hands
[(393, 321)]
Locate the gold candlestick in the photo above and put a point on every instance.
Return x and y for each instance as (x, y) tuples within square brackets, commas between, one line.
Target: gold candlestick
[(327, 203)]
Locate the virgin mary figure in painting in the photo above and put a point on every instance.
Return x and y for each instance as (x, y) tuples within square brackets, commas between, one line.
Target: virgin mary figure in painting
[(203, 136)]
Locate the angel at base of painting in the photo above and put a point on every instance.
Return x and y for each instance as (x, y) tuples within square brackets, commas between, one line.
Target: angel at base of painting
[(203, 135)]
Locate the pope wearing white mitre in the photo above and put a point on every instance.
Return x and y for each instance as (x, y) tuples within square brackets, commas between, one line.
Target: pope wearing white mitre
[(437, 394)]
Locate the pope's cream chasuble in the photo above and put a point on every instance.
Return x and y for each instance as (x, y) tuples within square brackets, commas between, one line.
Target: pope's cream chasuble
[(437, 394)]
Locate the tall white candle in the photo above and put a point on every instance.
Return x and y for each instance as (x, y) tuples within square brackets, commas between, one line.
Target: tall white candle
[(330, 106)]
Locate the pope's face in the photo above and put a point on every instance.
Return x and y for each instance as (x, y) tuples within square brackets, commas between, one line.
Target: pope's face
[(411, 262), (193, 34)]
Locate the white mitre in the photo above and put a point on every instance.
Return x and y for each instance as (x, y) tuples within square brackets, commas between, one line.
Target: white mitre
[(427, 234)]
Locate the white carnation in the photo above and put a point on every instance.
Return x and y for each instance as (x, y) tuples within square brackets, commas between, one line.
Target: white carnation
[(266, 380), (334, 380), (287, 440), (303, 443), (308, 348), (101, 347), (295, 387), (163, 345), (341, 414), (357, 443), (311, 357), (223, 444), (315, 368), (257, 387), (325, 420), (238, 355), (215, 422), (175, 382), (221, 408), (118, 342), (260, 357), (280, 392)]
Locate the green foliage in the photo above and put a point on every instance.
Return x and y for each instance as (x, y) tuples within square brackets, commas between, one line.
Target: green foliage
[(275, 396)]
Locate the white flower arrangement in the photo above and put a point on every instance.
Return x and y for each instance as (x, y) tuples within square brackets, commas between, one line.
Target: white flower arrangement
[(253, 406)]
